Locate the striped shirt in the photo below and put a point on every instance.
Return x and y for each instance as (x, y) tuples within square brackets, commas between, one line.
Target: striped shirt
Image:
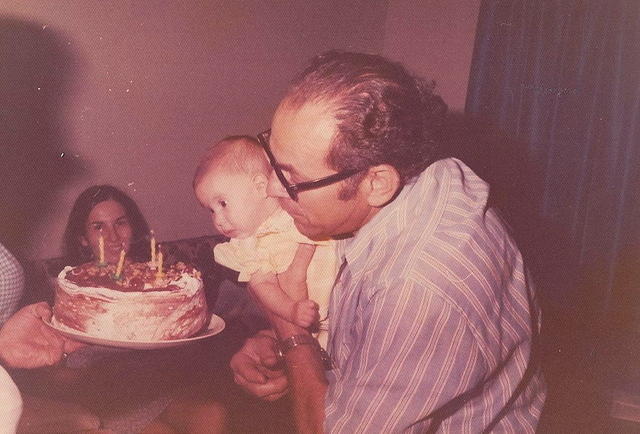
[(11, 284), (433, 316)]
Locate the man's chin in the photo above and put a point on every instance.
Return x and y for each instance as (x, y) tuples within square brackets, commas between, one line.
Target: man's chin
[(310, 232), (302, 228), (318, 235)]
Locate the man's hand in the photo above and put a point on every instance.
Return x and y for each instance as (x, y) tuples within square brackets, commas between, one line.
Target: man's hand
[(26, 342), (293, 281), (255, 368)]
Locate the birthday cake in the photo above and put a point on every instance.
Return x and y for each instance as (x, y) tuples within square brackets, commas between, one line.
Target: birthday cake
[(133, 302)]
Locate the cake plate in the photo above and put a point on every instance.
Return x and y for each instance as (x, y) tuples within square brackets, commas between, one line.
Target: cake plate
[(216, 325)]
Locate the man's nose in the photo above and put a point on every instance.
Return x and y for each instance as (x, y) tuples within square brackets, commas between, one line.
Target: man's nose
[(275, 187)]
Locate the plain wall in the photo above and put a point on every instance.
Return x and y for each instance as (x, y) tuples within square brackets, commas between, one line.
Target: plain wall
[(434, 39), (130, 93)]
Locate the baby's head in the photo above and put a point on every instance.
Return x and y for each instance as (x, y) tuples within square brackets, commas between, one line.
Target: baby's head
[(231, 182)]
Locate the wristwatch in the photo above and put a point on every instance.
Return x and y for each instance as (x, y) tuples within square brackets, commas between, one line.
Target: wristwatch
[(291, 342)]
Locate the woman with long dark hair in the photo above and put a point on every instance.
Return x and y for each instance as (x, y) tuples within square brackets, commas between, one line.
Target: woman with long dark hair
[(107, 211)]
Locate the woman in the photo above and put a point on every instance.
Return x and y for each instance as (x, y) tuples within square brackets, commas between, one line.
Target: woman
[(105, 210)]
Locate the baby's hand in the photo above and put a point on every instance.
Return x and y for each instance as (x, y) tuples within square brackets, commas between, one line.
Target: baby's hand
[(305, 313)]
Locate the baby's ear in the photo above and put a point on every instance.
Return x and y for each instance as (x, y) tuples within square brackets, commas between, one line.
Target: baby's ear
[(83, 241), (260, 182)]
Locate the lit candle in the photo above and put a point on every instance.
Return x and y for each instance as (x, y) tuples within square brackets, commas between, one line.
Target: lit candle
[(101, 247), (159, 272), (153, 249), (120, 264)]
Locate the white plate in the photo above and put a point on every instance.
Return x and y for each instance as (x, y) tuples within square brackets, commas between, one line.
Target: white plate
[(216, 325)]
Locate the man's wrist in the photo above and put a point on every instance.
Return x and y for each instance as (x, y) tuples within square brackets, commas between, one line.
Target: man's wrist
[(288, 344), (290, 336), (285, 329)]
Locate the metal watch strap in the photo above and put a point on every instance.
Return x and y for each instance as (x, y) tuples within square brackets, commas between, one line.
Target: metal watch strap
[(293, 341)]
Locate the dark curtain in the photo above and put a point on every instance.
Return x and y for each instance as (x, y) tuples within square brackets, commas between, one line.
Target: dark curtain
[(561, 78)]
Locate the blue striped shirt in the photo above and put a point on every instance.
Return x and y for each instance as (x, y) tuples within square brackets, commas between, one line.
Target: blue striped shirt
[(432, 317)]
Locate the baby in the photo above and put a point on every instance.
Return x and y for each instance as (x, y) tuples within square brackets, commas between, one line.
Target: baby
[(231, 181)]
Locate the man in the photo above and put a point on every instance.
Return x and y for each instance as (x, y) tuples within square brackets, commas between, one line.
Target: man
[(432, 317)]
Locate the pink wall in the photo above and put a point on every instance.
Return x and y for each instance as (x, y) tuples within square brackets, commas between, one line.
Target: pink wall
[(148, 85), (434, 38)]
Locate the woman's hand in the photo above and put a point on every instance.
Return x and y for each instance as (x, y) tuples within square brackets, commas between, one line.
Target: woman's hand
[(26, 342), (293, 281), (256, 367)]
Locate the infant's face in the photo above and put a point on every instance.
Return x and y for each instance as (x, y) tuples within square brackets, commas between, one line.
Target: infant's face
[(236, 204)]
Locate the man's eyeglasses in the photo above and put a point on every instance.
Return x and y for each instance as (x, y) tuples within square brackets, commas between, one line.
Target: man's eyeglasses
[(294, 189)]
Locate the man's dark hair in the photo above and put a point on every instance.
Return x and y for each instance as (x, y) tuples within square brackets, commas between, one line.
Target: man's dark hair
[(385, 115)]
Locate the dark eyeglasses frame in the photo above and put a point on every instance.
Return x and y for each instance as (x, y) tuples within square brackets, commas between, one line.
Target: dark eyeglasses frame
[(294, 189)]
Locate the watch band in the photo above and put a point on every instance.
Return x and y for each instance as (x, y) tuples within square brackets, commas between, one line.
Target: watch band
[(291, 342)]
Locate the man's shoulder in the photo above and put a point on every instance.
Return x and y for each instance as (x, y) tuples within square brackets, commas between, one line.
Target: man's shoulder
[(461, 258), (447, 194), (440, 234)]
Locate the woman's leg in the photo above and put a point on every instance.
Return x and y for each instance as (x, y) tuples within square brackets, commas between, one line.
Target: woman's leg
[(192, 416)]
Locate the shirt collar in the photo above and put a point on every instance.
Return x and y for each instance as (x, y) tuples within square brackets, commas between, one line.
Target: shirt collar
[(392, 219)]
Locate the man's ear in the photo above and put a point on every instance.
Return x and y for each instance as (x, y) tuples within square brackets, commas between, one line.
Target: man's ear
[(382, 181), (83, 241), (260, 182)]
